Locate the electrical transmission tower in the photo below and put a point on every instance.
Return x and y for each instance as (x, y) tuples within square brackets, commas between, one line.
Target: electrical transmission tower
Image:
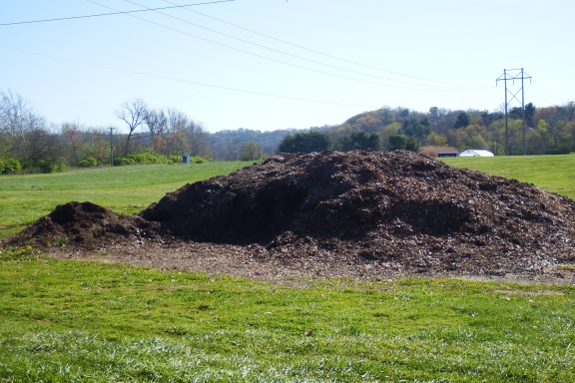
[(512, 75)]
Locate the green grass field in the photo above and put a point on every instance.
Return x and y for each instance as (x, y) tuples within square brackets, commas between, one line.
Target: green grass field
[(126, 190), (554, 173), (63, 321)]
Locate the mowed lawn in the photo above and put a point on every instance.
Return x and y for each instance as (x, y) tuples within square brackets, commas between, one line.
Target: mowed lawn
[(126, 190), (554, 173), (63, 321), (75, 321)]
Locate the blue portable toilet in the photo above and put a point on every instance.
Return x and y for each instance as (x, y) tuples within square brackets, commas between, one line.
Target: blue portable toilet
[(186, 158)]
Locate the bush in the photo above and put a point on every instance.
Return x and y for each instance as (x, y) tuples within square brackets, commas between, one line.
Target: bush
[(46, 166), (174, 159), (123, 161), (149, 158), (197, 160), (88, 162), (11, 166)]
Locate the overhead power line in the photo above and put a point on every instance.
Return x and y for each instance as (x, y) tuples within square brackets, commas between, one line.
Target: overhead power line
[(318, 52), (110, 14), (542, 91), (279, 61), (300, 57), (185, 81), (184, 6)]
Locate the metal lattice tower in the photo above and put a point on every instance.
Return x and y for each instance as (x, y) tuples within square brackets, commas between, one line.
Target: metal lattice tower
[(512, 75)]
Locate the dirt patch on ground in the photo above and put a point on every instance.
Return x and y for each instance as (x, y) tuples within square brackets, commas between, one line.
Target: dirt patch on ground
[(354, 214)]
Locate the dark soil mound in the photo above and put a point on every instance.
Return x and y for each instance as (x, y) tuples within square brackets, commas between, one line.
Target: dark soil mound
[(386, 212), (380, 206), (83, 225)]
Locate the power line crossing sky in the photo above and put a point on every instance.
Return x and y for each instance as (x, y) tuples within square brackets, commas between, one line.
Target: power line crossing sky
[(265, 64)]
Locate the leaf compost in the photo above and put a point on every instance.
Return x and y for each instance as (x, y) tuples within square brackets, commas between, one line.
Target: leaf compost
[(367, 214)]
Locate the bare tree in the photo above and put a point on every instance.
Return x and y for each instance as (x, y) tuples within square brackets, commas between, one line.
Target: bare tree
[(177, 120), (133, 113), (17, 118), (197, 139), (156, 121), (41, 144), (73, 135)]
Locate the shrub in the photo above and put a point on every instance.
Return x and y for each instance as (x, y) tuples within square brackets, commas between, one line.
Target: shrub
[(197, 160), (88, 162), (149, 158), (45, 166), (123, 161), (11, 166)]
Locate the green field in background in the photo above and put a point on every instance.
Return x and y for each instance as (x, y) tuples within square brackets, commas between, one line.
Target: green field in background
[(126, 190), (555, 173)]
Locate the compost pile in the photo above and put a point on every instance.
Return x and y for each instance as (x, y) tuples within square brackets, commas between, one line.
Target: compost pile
[(84, 225), (386, 211)]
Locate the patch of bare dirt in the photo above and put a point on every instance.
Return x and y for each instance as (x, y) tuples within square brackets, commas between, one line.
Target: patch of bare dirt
[(355, 214)]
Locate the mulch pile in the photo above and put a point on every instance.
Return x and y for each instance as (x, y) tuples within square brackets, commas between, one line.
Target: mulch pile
[(393, 211)]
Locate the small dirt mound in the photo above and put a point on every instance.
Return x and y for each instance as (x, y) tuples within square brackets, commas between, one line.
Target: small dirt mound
[(82, 225)]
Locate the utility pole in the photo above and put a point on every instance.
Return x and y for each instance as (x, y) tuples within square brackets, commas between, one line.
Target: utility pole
[(512, 75), (111, 146)]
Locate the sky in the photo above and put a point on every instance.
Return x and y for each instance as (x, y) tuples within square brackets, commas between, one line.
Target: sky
[(277, 64)]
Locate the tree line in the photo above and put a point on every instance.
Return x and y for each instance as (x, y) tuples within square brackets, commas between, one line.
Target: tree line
[(548, 130), (28, 143)]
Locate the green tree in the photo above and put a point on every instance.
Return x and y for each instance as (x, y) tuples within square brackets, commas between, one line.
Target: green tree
[(360, 140), (529, 115), (402, 142), (305, 143), (462, 121), (251, 151), (476, 142), (388, 131), (435, 139), (418, 128)]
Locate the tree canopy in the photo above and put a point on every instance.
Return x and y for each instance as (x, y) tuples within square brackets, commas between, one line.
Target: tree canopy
[(305, 143)]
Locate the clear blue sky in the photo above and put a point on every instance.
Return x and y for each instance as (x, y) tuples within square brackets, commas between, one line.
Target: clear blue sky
[(434, 49)]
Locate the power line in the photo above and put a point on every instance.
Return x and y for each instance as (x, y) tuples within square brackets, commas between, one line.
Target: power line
[(110, 14), (318, 52), (185, 81), (300, 57), (279, 61), (542, 91), (275, 50)]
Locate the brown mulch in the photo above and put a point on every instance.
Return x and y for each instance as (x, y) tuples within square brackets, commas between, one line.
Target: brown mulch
[(356, 214)]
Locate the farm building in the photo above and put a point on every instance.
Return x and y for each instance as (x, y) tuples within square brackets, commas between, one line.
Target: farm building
[(476, 153)]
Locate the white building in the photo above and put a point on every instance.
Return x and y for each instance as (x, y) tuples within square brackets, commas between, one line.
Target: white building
[(476, 153)]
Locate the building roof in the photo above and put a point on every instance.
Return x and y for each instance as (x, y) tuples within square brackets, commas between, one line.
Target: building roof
[(476, 153)]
